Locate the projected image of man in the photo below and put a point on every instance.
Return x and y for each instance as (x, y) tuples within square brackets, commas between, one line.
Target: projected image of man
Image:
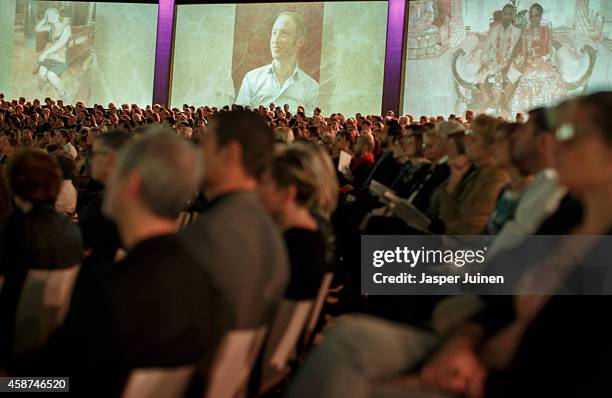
[(498, 74), (282, 81), (52, 61)]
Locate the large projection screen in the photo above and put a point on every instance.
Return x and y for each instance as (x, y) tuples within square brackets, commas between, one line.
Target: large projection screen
[(490, 57), (78, 51), (228, 53)]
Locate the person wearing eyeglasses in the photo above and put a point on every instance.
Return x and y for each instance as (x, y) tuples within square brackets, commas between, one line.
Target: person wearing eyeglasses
[(557, 345), (583, 159), (100, 236), (532, 153)]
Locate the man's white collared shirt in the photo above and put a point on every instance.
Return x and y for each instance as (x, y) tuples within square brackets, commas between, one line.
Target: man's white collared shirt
[(538, 202), (261, 87)]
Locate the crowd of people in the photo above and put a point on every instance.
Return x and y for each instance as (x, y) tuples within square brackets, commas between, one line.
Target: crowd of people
[(100, 189)]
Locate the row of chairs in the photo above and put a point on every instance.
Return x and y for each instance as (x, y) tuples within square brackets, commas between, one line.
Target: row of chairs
[(45, 300), (231, 371)]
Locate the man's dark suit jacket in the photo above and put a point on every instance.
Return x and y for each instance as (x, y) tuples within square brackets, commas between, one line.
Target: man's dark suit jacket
[(100, 234), (385, 170), (565, 351), (425, 184), (155, 308)]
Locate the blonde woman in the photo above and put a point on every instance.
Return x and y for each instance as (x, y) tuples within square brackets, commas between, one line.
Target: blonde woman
[(301, 181), (52, 61)]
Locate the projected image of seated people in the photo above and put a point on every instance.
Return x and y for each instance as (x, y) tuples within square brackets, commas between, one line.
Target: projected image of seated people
[(504, 57), (282, 81)]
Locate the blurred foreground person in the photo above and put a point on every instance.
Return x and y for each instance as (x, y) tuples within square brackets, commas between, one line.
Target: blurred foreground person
[(35, 236), (100, 236), (548, 344), (301, 180), (235, 239), (156, 307)]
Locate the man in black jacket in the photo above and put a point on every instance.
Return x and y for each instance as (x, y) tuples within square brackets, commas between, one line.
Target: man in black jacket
[(156, 307), (100, 236)]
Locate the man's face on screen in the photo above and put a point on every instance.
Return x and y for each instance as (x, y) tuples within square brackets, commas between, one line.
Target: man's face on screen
[(284, 41)]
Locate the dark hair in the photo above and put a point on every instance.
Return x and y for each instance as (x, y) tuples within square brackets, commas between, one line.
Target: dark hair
[(53, 147), (539, 117), (314, 130), (508, 6), (394, 130), (345, 134), (253, 134), (418, 143), (34, 176), (418, 129), (114, 139), (507, 129), (66, 164), (538, 7)]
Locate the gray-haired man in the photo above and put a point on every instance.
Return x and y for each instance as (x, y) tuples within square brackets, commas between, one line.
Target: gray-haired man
[(156, 307)]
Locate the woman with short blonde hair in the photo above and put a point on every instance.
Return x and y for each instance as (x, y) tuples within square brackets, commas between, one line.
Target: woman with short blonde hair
[(301, 181)]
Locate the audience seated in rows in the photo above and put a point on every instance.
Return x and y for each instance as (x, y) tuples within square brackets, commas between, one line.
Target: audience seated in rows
[(510, 347), (266, 229)]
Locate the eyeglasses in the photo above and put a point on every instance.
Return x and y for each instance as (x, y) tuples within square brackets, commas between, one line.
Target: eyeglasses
[(567, 134)]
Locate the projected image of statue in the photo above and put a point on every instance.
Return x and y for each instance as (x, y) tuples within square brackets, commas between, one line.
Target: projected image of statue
[(540, 82), (52, 61), (282, 81)]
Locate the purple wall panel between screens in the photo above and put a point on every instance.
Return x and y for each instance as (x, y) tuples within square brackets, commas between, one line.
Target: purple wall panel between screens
[(163, 52), (393, 54)]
